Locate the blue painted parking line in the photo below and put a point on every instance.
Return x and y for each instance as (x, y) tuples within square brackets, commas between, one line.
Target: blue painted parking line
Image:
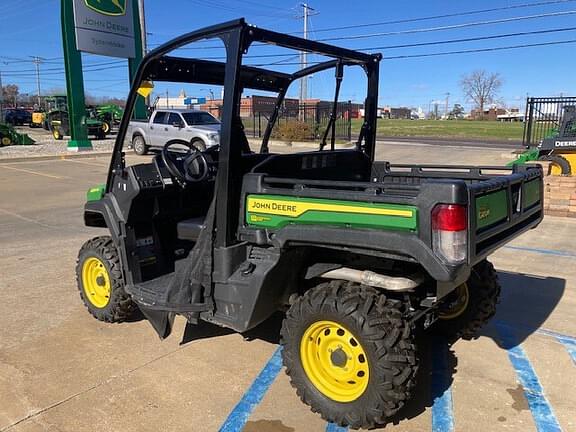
[(539, 406), (542, 251), (442, 409), (239, 416), (331, 427), (568, 342)]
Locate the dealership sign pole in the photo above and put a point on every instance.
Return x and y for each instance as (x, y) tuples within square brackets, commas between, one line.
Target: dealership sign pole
[(105, 27)]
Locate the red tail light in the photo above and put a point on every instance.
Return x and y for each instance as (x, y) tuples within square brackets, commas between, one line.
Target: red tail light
[(449, 217), (450, 232)]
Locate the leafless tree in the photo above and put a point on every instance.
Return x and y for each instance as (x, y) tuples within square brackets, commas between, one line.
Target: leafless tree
[(481, 87), (10, 93)]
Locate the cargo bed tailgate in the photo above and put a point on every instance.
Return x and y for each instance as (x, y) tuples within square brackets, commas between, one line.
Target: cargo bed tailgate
[(502, 207)]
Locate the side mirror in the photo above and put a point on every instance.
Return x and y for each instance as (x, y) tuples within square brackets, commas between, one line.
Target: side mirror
[(178, 124)]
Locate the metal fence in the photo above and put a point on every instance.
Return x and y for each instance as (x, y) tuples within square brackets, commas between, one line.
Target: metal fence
[(306, 122), (544, 117)]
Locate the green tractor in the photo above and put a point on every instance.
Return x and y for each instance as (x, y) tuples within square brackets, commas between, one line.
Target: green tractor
[(57, 119), (550, 134), (110, 115), (9, 136)]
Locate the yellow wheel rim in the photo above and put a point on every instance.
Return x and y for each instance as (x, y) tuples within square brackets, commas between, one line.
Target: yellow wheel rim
[(334, 361), (55, 134), (105, 127), (6, 141), (96, 282), (555, 169), (457, 307)]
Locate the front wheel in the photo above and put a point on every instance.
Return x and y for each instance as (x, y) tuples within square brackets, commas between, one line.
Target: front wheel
[(199, 144), (349, 353), (100, 281), (470, 306), (560, 165)]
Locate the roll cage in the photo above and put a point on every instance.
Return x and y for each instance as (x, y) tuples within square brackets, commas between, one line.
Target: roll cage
[(237, 37)]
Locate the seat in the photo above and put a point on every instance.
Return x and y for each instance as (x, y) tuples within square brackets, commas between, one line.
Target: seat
[(190, 229)]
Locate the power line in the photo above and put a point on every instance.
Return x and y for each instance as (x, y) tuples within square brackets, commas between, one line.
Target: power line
[(229, 8), (414, 45), (444, 53), (433, 17), (450, 27), (420, 30), (473, 39), (564, 42)]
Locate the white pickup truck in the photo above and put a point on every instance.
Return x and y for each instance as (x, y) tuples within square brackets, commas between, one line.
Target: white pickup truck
[(200, 128)]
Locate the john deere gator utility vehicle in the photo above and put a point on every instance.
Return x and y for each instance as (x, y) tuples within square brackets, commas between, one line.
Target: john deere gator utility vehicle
[(358, 253)]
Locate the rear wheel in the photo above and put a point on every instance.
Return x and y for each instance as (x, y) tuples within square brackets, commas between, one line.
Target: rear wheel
[(100, 281), (560, 166), (470, 306), (349, 353), (139, 145)]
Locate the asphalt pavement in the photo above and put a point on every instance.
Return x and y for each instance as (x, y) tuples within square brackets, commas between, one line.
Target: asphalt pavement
[(61, 370)]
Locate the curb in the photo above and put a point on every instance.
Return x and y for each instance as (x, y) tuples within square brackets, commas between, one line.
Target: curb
[(54, 157)]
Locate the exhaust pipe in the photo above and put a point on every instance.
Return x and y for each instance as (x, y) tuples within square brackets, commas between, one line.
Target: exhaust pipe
[(370, 278)]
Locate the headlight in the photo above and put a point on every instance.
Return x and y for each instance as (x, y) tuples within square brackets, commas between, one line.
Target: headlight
[(214, 137)]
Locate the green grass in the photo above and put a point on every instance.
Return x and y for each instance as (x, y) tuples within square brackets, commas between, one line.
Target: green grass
[(487, 130)]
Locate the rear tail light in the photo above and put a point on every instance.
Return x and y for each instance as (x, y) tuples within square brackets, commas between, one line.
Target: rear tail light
[(450, 232)]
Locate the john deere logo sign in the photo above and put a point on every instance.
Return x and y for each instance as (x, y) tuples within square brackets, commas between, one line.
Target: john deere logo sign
[(108, 7), (105, 27)]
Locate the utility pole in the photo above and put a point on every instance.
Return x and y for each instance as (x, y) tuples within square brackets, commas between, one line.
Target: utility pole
[(446, 108), (37, 61), (304, 54), (1, 99)]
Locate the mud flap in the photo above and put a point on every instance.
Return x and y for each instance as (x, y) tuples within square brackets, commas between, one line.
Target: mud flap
[(161, 321)]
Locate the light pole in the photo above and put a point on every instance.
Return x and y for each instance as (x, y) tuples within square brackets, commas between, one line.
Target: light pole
[(209, 91)]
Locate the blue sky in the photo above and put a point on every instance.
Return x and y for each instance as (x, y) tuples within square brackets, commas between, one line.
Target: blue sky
[(32, 28)]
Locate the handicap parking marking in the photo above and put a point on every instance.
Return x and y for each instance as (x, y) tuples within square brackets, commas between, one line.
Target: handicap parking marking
[(540, 407), (240, 414), (442, 408)]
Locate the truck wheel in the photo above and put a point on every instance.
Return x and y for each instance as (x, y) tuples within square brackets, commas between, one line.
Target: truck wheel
[(560, 166), (199, 144), (106, 127), (100, 281), (139, 145), (470, 306), (56, 134), (349, 353)]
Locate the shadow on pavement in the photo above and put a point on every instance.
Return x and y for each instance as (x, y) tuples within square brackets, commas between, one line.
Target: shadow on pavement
[(526, 303), (203, 330)]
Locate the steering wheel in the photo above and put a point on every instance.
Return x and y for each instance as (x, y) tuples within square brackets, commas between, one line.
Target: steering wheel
[(188, 167)]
